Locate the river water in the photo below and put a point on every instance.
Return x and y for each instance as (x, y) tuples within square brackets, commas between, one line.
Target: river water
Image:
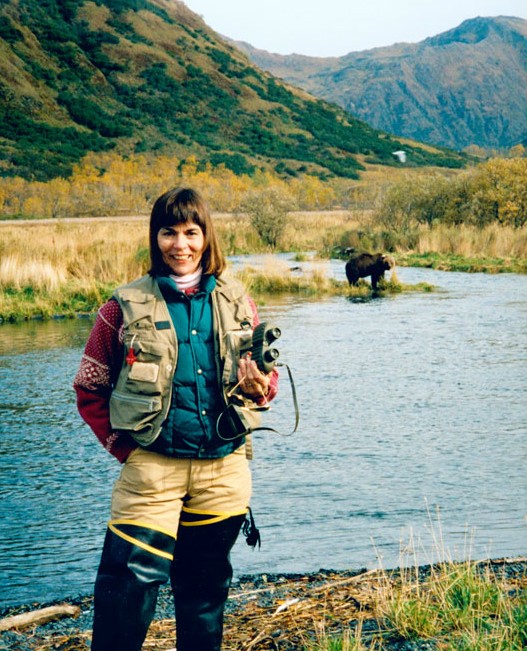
[(411, 446)]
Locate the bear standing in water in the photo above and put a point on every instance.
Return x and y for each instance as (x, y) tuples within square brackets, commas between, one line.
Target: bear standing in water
[(361, 265)]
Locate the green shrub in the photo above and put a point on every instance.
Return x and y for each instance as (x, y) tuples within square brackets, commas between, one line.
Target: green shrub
[(234, 162), (268, 209), (9, 32)]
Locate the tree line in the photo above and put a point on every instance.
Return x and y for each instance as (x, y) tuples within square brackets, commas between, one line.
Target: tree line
[(494, 191)]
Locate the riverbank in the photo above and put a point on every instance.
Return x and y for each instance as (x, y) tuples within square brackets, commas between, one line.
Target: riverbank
[(67, 267), (289, 612), (74, 299)]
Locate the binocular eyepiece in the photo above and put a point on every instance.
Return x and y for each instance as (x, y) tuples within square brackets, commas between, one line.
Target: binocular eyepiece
[(265, 356)]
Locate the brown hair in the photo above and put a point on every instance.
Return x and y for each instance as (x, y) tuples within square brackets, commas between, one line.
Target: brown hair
[(179, 206)]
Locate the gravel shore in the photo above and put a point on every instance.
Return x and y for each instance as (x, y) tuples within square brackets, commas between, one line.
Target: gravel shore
[(264, 611)]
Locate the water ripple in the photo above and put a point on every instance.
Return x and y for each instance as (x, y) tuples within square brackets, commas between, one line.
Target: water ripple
[(413, 428)]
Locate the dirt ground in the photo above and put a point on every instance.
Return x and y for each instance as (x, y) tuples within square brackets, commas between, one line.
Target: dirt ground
[(283, 612)]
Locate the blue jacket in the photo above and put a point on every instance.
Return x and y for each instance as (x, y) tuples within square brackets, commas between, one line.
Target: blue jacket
[(190, 429)]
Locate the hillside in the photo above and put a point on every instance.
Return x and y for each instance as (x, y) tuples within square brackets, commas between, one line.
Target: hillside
[(150, 76), (463, 87)]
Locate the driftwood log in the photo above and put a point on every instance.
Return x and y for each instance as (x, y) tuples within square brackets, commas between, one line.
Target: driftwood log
[(39, 617)]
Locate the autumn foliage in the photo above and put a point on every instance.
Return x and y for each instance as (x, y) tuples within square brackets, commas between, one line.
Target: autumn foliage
[(492, 192), (113, 185)]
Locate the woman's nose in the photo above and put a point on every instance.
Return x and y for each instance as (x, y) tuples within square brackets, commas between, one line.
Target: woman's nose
[(178, 242)]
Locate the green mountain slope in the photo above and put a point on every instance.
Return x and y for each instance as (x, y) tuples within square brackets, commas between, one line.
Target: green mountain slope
[(463, 87), (80, 76)]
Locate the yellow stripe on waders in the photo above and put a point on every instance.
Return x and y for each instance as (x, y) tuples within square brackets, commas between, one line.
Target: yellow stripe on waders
[(217, 516), (112, 525)]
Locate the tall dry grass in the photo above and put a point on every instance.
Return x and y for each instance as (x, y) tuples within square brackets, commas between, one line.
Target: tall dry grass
[(503, 247), (67, 266), (47, 256), (494, 241)]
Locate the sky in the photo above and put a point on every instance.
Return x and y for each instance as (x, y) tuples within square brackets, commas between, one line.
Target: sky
[(324, 28)]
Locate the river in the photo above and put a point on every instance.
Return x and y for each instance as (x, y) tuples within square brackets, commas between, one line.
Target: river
[(411, 445)]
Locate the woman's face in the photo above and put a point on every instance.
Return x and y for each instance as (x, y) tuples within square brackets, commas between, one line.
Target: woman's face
[(181, 246)]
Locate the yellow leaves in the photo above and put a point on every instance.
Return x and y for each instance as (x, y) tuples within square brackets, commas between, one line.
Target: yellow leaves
[(109, 184), (503, 182), (189, 168), (33, 206), (492, 192), (518, 151), (313, 192), (3, 198)]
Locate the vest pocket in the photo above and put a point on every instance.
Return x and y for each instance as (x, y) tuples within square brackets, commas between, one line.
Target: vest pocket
[(134, 414), (147, 373)]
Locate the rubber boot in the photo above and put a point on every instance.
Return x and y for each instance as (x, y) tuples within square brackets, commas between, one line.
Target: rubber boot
[(127, 584), (201, 576)]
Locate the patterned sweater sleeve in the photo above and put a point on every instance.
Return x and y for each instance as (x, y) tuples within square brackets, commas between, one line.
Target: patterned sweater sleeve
[(273, 386), (95, 378)]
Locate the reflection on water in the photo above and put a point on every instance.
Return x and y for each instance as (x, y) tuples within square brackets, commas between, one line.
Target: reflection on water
[(36, 335), (410, 406)]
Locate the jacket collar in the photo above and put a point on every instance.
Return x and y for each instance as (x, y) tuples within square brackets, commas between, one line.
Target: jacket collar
[(169, 288)]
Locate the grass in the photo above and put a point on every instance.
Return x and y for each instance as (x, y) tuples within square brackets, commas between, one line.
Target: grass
[(454, 262), (278, 278), (466, 606), (455, 606), (348, 642), (463, 605), (67, 267), (491, 249), (70, 300), (45, 297)]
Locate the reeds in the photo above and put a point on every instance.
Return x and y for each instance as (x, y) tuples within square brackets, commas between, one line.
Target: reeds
[(494, 248), (69, 266), (492, 241), (465, 606), (457, 606)]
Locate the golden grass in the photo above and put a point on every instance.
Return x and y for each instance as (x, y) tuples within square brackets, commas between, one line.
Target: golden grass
[(64, 251), (115, 250), (70, 266), (492, 241), (18, 273)]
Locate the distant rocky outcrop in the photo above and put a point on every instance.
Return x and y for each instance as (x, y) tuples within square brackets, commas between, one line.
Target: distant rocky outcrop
[(466, 86)]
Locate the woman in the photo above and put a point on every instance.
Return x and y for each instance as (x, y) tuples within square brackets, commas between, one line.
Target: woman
[(152, 386)]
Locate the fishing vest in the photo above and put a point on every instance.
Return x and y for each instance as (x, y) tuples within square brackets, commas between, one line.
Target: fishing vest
[(141, 399)]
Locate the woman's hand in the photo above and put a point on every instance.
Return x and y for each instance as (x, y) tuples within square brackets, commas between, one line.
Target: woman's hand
[(252, 381)]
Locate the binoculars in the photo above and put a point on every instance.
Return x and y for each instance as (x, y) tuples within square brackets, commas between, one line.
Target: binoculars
[(261, 346)]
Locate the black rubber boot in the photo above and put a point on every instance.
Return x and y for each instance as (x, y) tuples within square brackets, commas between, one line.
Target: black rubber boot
[(126, 586), (201, 576)]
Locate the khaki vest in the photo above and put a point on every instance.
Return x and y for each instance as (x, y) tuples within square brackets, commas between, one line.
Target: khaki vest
[(140, 401)]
